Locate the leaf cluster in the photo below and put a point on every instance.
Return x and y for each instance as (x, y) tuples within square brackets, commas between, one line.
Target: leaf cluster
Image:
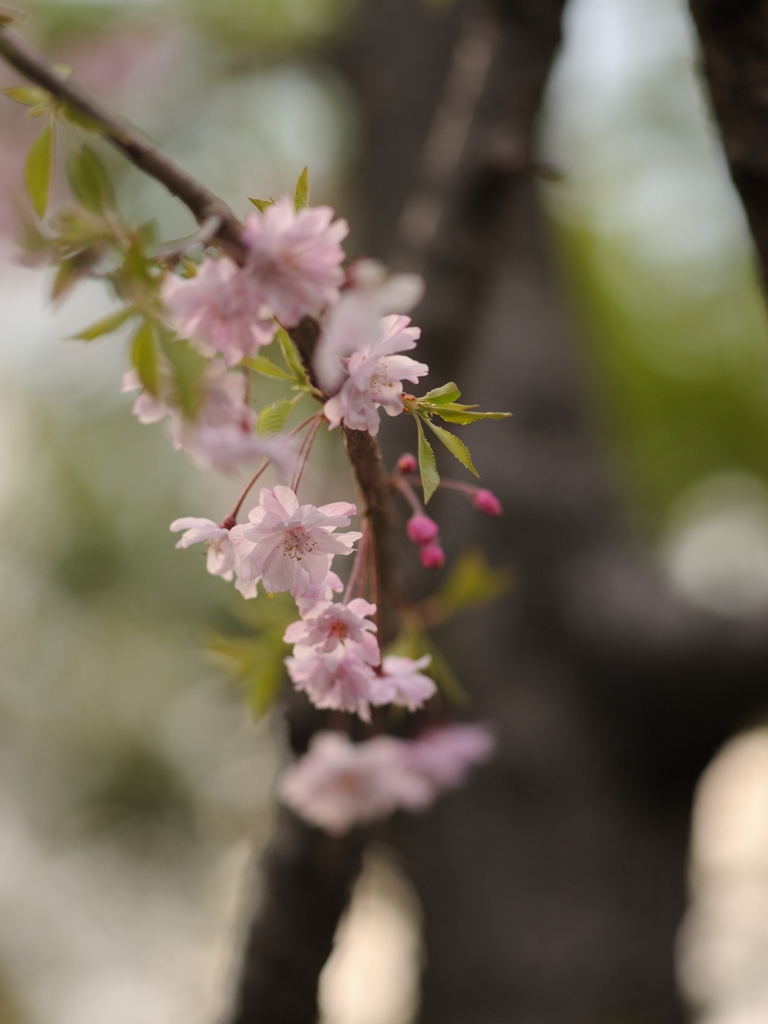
[(442, 402), (255, 660)]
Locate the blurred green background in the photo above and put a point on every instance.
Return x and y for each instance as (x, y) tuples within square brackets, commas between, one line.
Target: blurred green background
[(133, 781)]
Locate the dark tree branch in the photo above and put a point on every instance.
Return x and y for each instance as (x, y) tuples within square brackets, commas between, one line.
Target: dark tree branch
[(734, 44)]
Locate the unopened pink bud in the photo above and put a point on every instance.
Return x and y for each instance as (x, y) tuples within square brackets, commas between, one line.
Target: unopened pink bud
[(421, 529), (229, 522), (432, 556), (488, 503), (407, 463)]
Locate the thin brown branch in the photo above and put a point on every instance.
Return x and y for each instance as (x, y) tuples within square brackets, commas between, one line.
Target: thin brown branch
[(203, 203)]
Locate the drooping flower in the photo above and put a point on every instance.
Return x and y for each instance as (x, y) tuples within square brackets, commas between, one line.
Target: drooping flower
[(445, 754), (221, 436), (222, 558), (295, 259), (290, 546), (338, 784), (401, 682), (311, 593), (374, 376), (356, 320), (219, 310), (331, 625), (340, 680)]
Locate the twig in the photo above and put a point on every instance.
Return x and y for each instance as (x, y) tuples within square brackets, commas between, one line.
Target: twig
[(200, 200)]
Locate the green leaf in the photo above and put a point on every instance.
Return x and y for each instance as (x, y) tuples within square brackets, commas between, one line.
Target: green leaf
[(256, 663), (144, 357), (89, 180), (38, 170), (261, 204), (447, 393), (301, 198), (74, 116), (106, 326), (29, 96), (430, 478), (72, 269), (470, 583), (292, 358), (272, 419), (456, 447), (187, 368), (463, 414), (263, 365)]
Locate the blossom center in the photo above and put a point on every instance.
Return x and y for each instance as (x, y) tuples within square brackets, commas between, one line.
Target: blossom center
[(296, 543)]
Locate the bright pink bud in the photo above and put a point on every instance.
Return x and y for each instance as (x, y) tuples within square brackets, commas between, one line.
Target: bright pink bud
[(421, 529), (407, 463), (432, 556), (488, 503)]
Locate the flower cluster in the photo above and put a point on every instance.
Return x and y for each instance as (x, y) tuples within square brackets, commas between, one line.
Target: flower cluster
[(336, 661), (338, 784), (221, 435)]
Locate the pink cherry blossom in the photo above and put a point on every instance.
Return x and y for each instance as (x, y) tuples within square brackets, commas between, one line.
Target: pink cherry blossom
[(487, 502), (374, 376), (356, 319), (432, 556), (330, 625), (401, 682), (311, 593), (340, 680), (219, 310), (421, 529), (221, 436), (444, 755), (338, 784), (222, 558), (295, 258), (290, 545)]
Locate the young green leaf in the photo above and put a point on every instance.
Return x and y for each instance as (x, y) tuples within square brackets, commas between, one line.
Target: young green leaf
[(456, 447), (272, 419), (106, 326), (74, 116), (89, 180), (38, 170), (144, 357), (292, 358), (464, 414), (187, 368), (301, 198), (439, 396), (29, 96), (265, 366), (261, 204), (256, 663), (430, 478)]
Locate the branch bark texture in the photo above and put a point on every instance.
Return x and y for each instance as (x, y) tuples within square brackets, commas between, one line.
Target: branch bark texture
[(734, 61)]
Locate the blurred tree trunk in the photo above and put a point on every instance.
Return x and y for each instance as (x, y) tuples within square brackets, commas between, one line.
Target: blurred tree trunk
[(554, 883), (734, 45)]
